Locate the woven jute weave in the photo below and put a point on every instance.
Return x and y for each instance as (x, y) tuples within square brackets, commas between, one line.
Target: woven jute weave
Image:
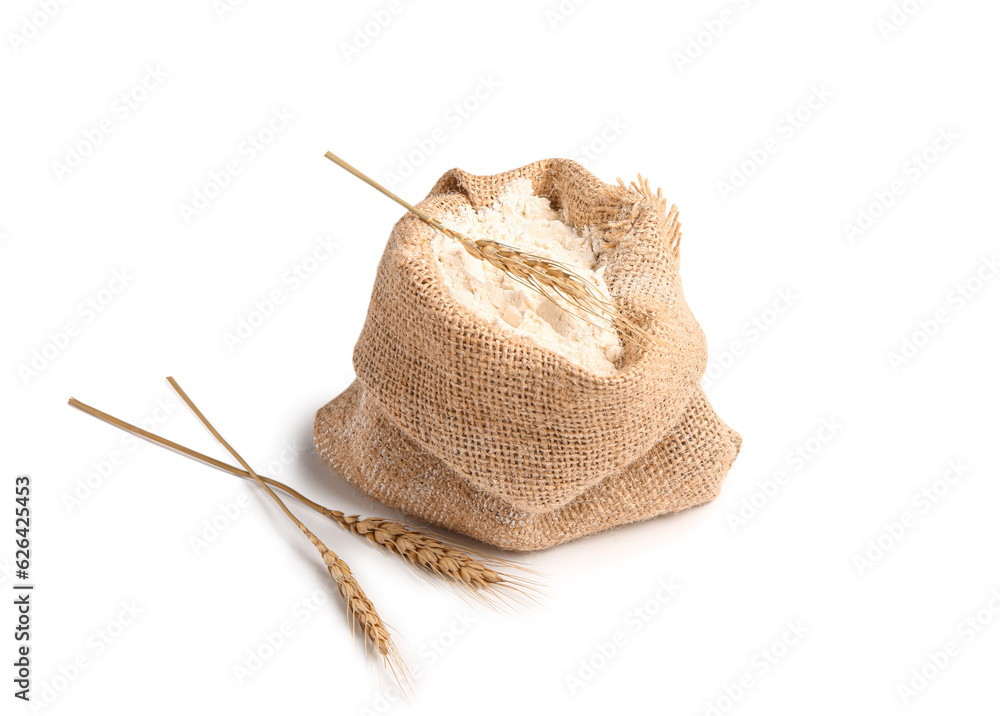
[(472, 427)]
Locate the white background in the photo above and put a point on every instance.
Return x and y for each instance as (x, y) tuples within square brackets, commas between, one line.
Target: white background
[(602, 76)]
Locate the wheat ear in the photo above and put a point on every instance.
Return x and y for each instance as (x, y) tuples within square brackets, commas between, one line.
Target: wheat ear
[(359, 605), (476, 572), (553, 279)]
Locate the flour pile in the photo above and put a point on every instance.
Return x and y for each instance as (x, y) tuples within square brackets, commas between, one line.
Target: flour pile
[(527, 222)]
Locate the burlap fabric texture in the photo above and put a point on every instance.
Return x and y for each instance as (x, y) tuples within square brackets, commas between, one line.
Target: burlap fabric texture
[(469, 426)]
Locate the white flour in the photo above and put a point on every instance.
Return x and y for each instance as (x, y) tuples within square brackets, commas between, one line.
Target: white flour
[(527, 222)]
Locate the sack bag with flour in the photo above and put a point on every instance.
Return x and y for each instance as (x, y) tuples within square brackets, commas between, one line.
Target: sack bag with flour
[(483, 407)]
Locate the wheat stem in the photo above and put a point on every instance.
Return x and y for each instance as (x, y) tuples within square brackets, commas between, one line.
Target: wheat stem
[(170, 444), (232, 451), (359, 605), (429, 552)]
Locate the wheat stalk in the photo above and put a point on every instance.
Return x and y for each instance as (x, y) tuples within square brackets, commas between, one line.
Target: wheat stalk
[(359, 605), (554, 280), (480, 574)]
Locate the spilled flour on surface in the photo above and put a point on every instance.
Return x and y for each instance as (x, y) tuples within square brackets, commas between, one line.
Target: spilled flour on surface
[(527, 222)]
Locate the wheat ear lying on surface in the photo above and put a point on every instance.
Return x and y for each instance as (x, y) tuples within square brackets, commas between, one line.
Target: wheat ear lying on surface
[(480, 574), (475, 572), (359, 605), (555, 280)]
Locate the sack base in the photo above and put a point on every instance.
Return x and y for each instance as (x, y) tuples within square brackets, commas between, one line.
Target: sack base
[(683, 470)]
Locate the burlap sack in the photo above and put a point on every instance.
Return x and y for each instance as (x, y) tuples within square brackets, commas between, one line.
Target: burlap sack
[(466, 425)]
